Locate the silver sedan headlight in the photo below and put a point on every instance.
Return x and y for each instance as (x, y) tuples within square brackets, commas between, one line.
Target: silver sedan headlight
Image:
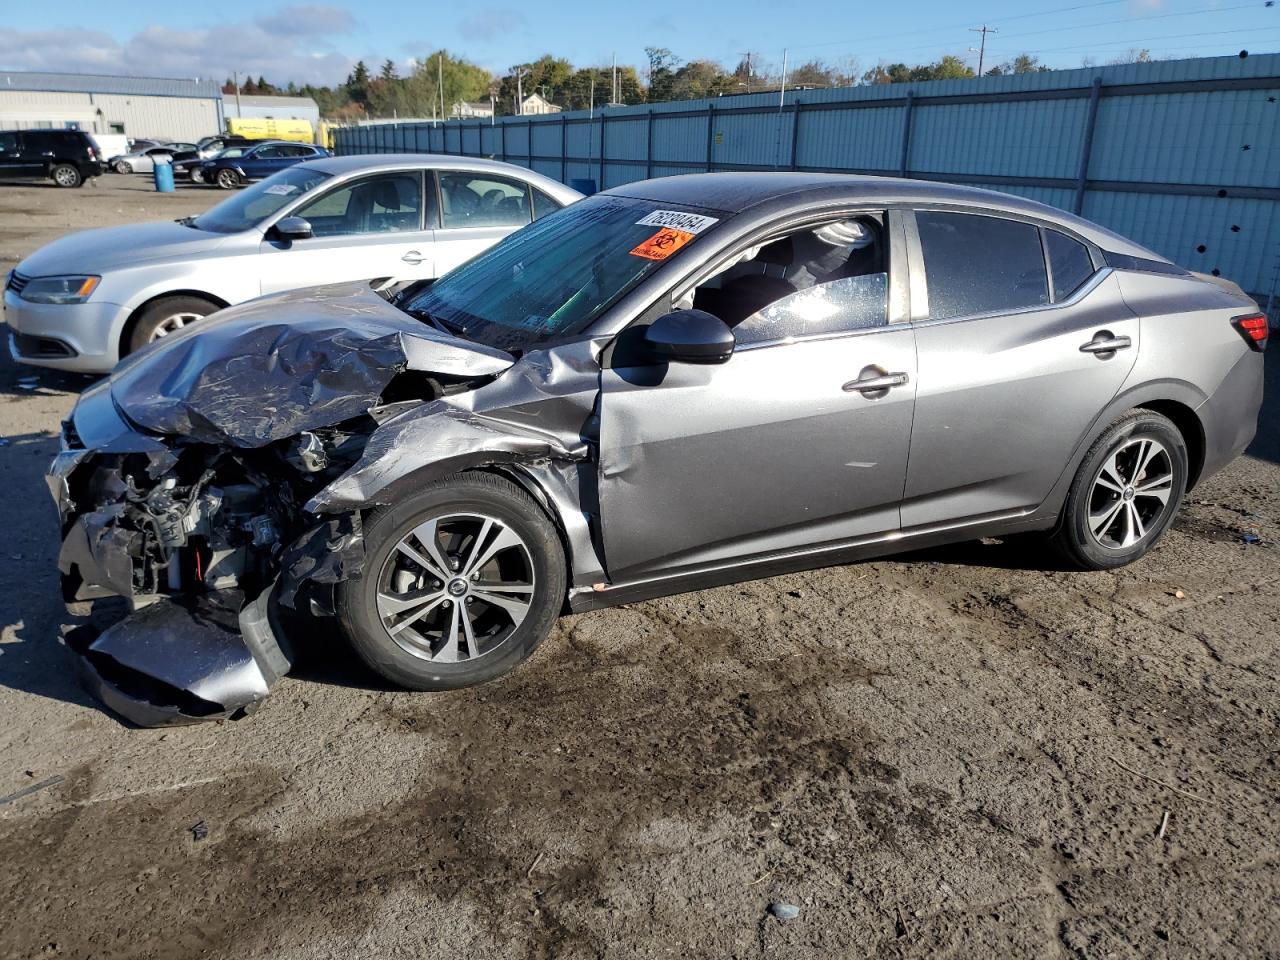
[(75, 289)]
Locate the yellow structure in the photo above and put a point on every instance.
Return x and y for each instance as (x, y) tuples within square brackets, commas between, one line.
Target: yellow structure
[(298, 131)]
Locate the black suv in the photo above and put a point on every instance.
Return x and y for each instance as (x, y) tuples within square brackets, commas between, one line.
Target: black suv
[(67, 157)]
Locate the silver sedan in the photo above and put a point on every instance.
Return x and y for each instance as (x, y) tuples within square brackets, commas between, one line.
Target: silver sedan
[(674, 384), (86, 300)]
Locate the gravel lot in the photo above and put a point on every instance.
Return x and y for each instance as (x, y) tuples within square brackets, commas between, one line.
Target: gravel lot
[(957, 753)]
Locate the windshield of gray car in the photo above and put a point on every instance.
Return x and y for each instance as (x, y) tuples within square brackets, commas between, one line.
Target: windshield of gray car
[(553, 278), (255, 203)]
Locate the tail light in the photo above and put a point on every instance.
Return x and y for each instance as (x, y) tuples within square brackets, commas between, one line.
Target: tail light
[(92, 155), (1253, 327)]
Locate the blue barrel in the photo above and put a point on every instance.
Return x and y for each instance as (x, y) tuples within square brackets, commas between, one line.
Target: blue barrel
[(164, 177), (587, 187)]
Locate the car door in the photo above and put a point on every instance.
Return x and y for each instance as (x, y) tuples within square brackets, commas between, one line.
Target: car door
[(476, 211), (262, 162), (12, 161), (798, 442), (1011, 371), (376, 226)]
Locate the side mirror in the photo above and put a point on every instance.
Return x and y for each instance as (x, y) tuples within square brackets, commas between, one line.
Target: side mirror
[(292, 228), (690, 336)]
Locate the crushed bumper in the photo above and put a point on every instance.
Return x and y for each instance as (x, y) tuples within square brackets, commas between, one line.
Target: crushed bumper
[(209, 657)]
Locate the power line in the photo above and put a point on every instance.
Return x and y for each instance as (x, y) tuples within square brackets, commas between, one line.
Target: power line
[(1145, 40)]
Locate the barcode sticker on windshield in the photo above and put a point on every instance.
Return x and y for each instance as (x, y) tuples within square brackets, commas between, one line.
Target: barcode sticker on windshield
[(280, 189), (676, 220)]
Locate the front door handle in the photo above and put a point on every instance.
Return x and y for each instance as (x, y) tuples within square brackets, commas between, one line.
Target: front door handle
[(873, 380), (1104, 343), (414, 257)]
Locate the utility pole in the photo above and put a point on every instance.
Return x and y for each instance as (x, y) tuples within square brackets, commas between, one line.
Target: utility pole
[(519, 92), (613, 88), (982, 46), (235, 80), (747, 55), (440, 78)]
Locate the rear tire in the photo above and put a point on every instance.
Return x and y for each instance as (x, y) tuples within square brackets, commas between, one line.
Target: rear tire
[(66, 175), (1125, 493), (453, 636), (165, 316), (197, 175), (228, 179), (122, 167)]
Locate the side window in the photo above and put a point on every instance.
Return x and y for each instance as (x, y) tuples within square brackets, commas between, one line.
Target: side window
[(543, 204), (296, 151), (267, 153), (977, 264), (386, 204), (8, 143), (1069, 263), (482, 200), (832, 278)]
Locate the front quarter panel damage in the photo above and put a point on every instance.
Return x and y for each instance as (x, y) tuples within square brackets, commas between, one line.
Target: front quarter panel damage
[(541, 414), (220, 480)]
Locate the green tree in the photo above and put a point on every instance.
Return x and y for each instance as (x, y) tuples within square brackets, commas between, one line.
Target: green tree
[(662, 71)]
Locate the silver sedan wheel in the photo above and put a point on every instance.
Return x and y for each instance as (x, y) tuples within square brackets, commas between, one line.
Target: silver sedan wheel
[(1130, 494), (173, 323), (456, 588), (197, 175)]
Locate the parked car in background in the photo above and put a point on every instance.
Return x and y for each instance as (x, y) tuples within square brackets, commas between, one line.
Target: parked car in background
[(67, 157), (144, 161), (257, 162), (141, 144), (188, 162), (675, 384), (193, 168), (86, 300)]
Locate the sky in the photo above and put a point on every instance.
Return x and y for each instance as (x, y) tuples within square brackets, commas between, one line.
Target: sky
[(319, 42)]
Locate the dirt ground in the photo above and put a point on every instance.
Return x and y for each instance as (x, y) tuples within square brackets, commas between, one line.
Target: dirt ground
[(960, 753)]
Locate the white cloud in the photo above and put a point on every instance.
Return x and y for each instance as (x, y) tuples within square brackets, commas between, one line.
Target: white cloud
[(291, 44)]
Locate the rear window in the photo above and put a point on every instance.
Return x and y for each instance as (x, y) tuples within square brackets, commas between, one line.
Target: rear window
[(977, 264)]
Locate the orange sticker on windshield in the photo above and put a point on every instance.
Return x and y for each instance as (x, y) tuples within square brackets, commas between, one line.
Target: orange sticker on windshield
[(662, 244)]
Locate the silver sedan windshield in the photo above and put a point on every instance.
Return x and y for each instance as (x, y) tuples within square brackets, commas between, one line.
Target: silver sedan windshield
[(254, 204)]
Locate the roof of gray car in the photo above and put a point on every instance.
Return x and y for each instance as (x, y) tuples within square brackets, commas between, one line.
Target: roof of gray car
[(738, 192)]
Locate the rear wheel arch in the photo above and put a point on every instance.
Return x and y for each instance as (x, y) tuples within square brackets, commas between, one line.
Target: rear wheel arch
[(131, 324), (1188, 423)]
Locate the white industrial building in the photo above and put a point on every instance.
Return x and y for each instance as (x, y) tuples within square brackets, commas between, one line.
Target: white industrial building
[(156, 107), (271, 108)]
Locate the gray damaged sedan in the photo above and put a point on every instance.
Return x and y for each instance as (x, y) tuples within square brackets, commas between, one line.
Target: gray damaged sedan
[(674, 384)]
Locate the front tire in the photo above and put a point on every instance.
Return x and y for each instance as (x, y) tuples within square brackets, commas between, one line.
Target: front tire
[(1125, 494), (197, 175), (228, 179), (122, 167), (462, 581), (66, 175), (165, 316)]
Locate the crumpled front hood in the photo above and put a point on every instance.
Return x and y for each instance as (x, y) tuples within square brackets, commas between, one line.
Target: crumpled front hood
[(107, 248), (273, 367)]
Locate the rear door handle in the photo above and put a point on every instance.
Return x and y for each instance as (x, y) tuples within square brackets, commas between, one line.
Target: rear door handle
[(414, 257), (1104, 342), (876, 382)]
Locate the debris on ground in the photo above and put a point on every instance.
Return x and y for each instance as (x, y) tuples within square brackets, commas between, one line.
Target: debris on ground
[(784, 911), (34, 788), (198, 831)]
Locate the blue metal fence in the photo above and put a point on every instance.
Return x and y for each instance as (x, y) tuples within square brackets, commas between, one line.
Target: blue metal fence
[(1182, 156)]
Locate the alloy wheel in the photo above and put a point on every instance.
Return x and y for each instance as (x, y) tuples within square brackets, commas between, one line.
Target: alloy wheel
[(172, 324), (227, 179), (456, 588), (65, 177), (1130, 494)]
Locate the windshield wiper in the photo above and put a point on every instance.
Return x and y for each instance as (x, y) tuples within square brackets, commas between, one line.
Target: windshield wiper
[(187, 222), (441, 324)]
